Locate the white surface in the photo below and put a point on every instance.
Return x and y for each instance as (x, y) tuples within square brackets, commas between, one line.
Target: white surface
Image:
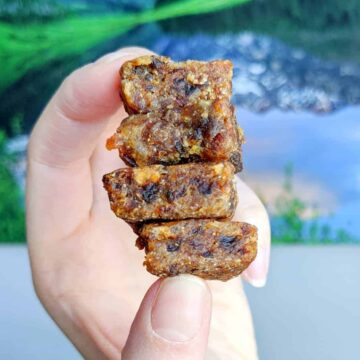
[(308, 310), (26, 331)]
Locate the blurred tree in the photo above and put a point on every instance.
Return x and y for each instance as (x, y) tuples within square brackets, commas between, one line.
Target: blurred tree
[(34, 10), (309, 14), (127, 5), (327, 28)]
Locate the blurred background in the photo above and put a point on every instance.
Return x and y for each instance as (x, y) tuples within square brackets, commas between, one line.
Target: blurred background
[(296, 88)]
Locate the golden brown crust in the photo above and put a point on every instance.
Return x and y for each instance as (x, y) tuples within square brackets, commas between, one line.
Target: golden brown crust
[(210, 249), (150, 83), (205, 132), (204, 190)]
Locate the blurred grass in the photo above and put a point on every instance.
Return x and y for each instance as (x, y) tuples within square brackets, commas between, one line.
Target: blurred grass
[(290, 227), (12, 214), (32, 45)]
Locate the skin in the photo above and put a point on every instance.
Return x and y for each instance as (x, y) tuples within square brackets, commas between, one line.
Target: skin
[(86, 270)]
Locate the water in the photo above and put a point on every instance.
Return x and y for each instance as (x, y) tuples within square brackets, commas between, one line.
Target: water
[(324, 152)]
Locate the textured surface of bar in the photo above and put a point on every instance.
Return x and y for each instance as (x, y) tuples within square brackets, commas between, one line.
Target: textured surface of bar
[(205, 132), (200, 190), (213, 250), (151, 83)]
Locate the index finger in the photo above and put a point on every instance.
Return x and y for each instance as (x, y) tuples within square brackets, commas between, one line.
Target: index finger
[(252, 211)]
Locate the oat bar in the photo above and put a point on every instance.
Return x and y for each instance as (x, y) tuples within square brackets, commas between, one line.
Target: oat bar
[(151, 83), (206, 248), (206, 132), (196, 190)]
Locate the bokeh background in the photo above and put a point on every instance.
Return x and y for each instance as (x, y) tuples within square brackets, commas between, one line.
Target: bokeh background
[(296, 89)]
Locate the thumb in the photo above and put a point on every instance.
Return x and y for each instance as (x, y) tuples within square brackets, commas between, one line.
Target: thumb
[(172, 322)]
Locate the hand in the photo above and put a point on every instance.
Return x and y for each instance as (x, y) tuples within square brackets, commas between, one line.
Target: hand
[(87, 271)]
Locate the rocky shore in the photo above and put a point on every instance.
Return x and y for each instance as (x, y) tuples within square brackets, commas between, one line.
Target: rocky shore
[(269, 74)]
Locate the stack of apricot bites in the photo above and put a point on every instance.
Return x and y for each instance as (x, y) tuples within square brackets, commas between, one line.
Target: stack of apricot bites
[(183, 146)]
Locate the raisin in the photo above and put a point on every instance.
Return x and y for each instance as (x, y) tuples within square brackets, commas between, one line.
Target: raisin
[(203, 187), (227, 242), (189, 89), (150, 88), (172, 195), (195, 230), (198, 134), (139, 70), (196, 244), (128, 159), (156, 63), (204, 122), (179, 84), (179, 147), (207, 254), (182, 86), (148, 77), (173, 270), (117, 186), (150, 192), (173, 246)]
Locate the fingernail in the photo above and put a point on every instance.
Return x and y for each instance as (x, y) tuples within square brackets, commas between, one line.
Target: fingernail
[(256, 274), (178, 310)]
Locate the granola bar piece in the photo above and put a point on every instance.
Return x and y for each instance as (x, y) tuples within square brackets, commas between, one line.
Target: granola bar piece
[(214, 250), (189, 134), (151, 83), (196, 190)]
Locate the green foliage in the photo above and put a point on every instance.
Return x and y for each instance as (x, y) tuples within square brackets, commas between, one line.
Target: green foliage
[(34, 45), (289, 225), (12, 215)]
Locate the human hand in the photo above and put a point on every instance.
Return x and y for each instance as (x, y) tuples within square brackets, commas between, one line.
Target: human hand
[(86, 270)]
